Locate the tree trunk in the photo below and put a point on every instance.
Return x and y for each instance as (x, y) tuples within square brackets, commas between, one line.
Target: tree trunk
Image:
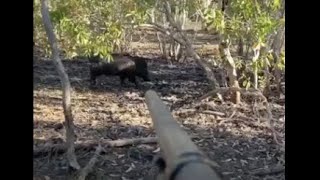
[(183, 19), (267, 89), (152, 15), (180, 17), (232, 72), (256, 54), (163, 41), (66, 87), (276, 46), (162, 45), (240, 47)]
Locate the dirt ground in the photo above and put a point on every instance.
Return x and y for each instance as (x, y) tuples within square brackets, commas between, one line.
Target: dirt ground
[(238, 138)]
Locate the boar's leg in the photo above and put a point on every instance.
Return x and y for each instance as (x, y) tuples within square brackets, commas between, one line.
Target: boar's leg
[(122, 78), (133, 80)]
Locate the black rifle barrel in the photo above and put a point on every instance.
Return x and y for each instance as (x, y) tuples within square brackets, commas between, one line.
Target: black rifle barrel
[(175, 145)]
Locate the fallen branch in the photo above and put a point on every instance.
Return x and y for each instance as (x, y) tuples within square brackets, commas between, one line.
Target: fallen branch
[(213, 113), (264, 172), (185, 111), (88, 168), (249, 92), (245, 92), (90, 144)]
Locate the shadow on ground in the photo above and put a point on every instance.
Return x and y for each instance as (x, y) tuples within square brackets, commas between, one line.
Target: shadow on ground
[(239, 147), (237, 156), (177, 81)]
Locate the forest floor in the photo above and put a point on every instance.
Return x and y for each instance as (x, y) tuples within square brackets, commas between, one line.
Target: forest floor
[(237, 138)]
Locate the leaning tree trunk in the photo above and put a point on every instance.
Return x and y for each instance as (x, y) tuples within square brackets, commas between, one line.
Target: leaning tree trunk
[(232, 71), (188, 46), (80, 173), (66, 87), (182, 39)]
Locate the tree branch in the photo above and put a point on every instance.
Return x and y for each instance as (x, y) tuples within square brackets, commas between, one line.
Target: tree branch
[(206, 67), (163, 30), (90, 144), (88, 168)]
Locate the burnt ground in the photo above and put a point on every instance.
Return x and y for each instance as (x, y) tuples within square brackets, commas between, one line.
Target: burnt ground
[(238, 139)]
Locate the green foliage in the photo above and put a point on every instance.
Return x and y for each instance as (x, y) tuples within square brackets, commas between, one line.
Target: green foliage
[(281, 64), (244, 73), (214, 18), (246, 19), (88, 27), (98, 27), (254, 21), (247, 83)]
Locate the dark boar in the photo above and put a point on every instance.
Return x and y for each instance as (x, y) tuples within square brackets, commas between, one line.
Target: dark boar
[(123, 66), (141, 67)]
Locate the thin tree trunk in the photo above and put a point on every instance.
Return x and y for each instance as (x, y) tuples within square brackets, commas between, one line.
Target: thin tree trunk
[(232, 72), (66, 87), (276, 46), (256, 54), (240, 47), (187, 44)]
